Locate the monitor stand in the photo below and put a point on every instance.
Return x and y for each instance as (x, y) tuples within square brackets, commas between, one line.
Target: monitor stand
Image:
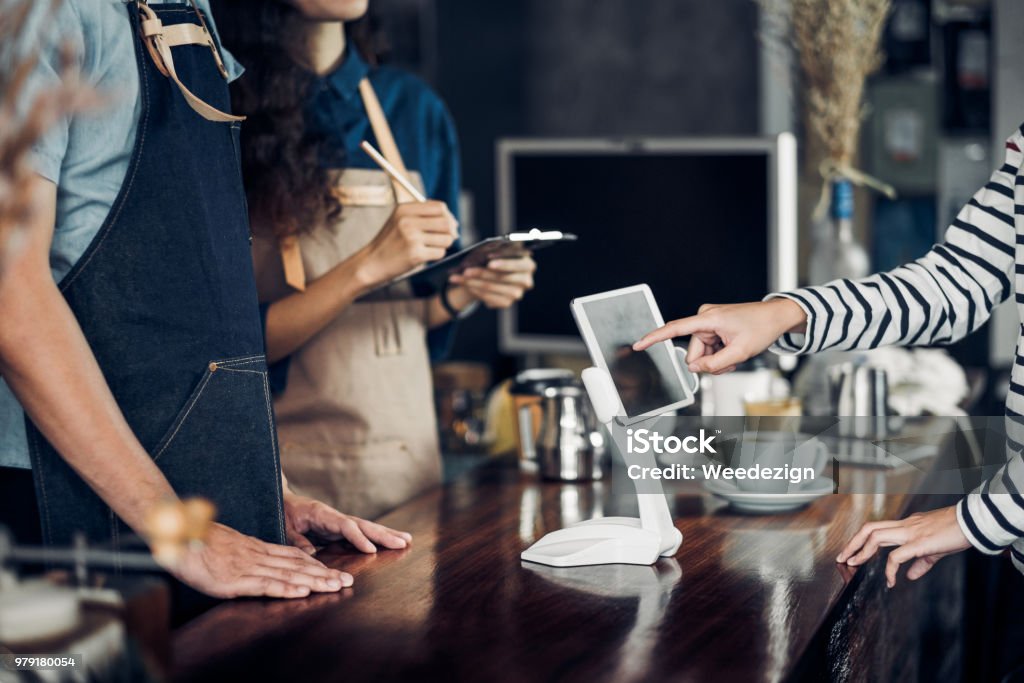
[(612, 540)]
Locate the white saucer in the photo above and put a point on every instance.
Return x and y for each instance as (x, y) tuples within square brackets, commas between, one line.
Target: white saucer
[(766, 503)]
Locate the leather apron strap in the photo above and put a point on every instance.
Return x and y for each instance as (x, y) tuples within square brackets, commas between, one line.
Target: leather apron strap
[(291, 252), (159, 40), (382, 131)]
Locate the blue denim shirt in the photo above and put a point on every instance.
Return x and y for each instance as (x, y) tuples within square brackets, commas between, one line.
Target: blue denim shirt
[(86, 155)]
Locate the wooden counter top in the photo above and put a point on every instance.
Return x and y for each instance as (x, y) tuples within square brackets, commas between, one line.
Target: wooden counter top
[(746, 598)]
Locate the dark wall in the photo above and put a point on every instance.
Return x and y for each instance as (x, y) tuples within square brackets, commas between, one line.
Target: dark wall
[(588, 68), (600, 67)]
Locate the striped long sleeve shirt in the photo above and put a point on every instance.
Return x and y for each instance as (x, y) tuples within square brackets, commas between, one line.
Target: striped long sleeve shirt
[(939, 299)]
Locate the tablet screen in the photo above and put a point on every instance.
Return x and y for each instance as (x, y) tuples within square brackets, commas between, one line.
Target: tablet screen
[(646, 380)]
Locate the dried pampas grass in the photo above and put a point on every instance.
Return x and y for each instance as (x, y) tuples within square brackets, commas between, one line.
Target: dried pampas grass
[(22, 126), (839, 46)]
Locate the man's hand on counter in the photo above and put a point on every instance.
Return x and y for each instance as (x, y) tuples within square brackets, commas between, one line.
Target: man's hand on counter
[(925, 538), (305, 517), (230, 565)]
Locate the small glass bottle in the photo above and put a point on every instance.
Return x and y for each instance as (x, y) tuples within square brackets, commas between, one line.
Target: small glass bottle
[(851, 259), (836, 252)]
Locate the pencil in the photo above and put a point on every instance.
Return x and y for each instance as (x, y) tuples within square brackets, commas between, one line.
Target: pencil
[(392, 171)]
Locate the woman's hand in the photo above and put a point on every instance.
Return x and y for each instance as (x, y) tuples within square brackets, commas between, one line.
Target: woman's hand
[(724, 335), (416, 233), (925, 538), (502, 283), (230, 565), (305, 517)]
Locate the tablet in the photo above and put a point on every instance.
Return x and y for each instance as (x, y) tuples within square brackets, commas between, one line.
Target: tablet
[(431, 279), (650, 382)]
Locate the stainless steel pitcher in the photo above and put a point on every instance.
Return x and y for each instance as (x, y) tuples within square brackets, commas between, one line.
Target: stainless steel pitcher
[(860, 397), (570, 446), (527, 392)]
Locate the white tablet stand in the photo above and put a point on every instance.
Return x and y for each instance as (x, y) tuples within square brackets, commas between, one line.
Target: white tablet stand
[(612, 540)]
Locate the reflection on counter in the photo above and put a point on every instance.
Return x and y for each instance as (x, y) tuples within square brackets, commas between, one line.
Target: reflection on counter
[(652, 587)]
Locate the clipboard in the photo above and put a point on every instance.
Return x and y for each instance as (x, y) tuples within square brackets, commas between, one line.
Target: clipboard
[(430, 280)]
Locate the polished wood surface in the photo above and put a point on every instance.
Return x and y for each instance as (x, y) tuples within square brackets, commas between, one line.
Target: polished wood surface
[(746, 598)]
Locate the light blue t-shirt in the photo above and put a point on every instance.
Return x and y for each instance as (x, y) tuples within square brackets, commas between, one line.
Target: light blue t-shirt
[(86, 155)]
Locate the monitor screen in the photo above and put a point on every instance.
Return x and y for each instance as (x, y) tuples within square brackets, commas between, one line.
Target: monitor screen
[(694, 225)]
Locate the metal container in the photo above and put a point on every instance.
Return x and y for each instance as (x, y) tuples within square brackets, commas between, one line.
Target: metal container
[(527, 392), (860, 396), (569, 446)]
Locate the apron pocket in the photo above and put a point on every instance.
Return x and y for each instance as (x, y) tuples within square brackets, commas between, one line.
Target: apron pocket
[(222, 446), (365, 480)]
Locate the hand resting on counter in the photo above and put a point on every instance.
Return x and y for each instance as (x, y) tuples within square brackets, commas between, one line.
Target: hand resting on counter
[(306, 518), (925, 538), (231, 565)]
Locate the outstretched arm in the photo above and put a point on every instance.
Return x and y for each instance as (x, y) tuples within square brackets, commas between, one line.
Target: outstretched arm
[(937, 299)]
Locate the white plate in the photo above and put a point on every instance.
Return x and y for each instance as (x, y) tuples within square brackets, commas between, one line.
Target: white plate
[(751, 501)]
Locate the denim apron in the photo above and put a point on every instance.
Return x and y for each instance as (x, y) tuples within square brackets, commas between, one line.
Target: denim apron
[(356, 420), (166, 297)]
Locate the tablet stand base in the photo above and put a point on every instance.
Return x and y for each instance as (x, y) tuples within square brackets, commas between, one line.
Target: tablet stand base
[(611, 540)]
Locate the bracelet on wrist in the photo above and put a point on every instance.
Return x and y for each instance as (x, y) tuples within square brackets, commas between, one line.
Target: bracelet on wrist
[(454, 312)]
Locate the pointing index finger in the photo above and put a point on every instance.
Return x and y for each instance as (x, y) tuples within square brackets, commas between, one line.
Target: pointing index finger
[(676, 328)]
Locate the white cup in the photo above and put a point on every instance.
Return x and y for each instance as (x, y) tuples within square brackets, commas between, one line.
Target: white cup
[(724, 395), (778, 450)]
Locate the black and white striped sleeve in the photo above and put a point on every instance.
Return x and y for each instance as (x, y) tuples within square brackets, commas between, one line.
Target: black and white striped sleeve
[(992, 517), (937, 299)]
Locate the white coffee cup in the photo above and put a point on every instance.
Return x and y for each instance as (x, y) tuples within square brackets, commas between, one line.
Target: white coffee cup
[(803, 454), (724, 395)]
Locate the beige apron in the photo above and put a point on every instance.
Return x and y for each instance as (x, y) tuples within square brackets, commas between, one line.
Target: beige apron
[(356, 421)]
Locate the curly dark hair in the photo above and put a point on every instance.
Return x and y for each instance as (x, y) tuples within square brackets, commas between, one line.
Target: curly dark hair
[(287, 186)]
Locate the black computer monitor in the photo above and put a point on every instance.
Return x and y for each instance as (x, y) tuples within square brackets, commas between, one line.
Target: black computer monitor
[(699, 220)]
